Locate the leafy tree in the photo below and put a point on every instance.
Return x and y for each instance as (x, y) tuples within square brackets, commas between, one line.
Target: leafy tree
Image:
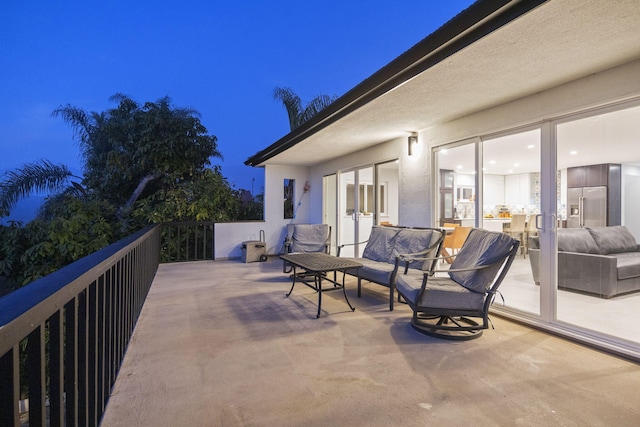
[(297, 112), (79, 228), (32, 177), (135, 149), (206, 197), (143, 163)]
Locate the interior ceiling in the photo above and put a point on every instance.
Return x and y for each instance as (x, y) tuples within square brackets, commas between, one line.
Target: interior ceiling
[(558, 42)]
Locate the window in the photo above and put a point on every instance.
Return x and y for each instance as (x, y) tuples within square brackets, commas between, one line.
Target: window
[(289, 185), (366, 198)]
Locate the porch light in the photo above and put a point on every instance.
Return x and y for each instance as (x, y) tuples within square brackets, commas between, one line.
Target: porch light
[(413, 140)]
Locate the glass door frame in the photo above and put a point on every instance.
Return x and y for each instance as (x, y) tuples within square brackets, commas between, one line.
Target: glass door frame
[(330, 202), (356, 216)]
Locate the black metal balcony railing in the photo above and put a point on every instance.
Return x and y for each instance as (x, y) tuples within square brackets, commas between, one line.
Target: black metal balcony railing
[(63, 337)]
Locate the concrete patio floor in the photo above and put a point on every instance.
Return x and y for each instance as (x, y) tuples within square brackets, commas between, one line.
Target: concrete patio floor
[(219, 344)]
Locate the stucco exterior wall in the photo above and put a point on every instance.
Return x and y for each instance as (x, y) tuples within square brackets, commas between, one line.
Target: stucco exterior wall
[(616, 84), (415, 198)]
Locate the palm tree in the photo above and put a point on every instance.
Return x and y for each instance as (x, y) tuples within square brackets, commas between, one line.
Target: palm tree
[(298, 114), (22, 182)]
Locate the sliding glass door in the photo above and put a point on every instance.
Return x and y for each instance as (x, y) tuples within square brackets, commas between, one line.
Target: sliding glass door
[(511, 204), (575, 213), (598, 282)]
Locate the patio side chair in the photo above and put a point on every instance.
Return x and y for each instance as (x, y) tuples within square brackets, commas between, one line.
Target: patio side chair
[(306, 238)]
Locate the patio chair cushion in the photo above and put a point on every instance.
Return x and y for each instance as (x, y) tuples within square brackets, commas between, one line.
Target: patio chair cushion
[(440, 293), (380, 244), (375, 271), (409, 241), (309, 237), (481, 248)]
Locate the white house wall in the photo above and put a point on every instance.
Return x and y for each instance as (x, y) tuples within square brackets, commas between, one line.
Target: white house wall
[(415, 192), (274, 201), (616, 84)]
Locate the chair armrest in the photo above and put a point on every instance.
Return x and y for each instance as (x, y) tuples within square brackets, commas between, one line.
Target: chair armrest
[(457, 270), (348, 244), (411, 259), (286, 245)]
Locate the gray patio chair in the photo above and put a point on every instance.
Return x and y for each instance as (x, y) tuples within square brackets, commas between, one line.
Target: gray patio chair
[(306, 238), (443, 305)]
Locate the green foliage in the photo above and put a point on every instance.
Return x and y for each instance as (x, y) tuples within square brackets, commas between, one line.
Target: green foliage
[(128, 149), (297, 112), (79, 228), (22, 182), (142, 164), (207, 196), (14, 241)]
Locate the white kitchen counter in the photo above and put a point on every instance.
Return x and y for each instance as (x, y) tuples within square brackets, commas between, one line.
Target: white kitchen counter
[(494, 224)]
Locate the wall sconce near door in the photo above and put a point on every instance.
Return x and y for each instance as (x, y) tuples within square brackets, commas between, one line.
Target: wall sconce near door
[(413, 141)]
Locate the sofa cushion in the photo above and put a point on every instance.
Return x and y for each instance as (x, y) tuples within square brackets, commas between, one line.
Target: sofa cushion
[(380, 244), (409, 241), (628, 264), (482, 247), (613, 240), (577, 240), (375, 271)]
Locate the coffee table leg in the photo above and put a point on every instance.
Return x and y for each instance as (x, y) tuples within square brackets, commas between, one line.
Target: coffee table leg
[(344, 291), (294, 281), (318, 280)]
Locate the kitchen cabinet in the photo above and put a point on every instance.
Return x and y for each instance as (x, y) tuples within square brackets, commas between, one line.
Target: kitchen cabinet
[(493, 187), (518, 189), (590, 176)]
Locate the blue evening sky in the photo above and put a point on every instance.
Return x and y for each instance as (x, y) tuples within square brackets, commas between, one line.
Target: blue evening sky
[(222, 59)]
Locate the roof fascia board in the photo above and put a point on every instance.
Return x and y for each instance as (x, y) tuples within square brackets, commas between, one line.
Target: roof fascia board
[(469, 26)]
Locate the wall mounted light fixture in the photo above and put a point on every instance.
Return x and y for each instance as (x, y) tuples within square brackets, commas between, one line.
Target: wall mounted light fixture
[(413, 140)]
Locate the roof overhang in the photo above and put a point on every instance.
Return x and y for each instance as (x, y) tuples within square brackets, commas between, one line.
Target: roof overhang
[(491, 53)]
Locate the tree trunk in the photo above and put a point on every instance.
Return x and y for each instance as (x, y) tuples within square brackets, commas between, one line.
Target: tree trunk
[(126, 208)]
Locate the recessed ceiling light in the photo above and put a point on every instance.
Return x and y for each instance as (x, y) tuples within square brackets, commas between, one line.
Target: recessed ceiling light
[(531, 146), (459, 166), (445, 151), (515, 165), (573, 152), (492, 162), (510, 170)]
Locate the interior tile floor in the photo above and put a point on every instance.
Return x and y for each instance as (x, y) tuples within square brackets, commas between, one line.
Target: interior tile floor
[(611, 316)]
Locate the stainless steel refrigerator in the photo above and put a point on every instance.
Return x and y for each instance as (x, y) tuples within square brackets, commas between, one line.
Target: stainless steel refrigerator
[(587, 207)]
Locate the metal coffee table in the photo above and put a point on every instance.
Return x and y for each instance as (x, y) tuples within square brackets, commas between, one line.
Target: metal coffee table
[(316, 265)]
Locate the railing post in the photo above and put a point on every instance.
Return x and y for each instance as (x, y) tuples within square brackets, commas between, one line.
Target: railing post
[(10, 388), (83, 368), (36, 378), (56, 369), (92, 355), (71, 362)]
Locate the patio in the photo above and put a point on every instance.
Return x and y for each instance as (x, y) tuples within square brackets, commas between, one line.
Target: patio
[(217, 343)]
